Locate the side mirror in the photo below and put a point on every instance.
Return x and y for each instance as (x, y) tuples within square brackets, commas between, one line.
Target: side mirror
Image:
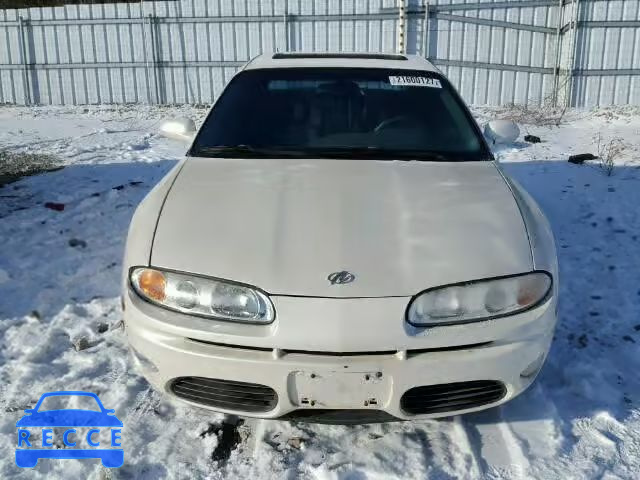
[(183, 129), (501, 131)]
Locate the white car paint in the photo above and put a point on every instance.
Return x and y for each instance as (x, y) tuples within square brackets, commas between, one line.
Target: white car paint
[(284, 225)]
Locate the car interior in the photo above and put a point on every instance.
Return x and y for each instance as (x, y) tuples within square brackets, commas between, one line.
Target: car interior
[(267, 110)]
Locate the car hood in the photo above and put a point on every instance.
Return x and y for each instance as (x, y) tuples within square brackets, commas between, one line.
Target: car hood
[(284, 225)]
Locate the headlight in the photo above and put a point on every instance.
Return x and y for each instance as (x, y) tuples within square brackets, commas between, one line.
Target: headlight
[(205, 297), (479, 299)]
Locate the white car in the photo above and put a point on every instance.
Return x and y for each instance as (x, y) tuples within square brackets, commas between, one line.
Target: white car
[(339, 245)]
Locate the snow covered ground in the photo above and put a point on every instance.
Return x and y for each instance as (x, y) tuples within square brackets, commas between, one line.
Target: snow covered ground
[(60, 320)]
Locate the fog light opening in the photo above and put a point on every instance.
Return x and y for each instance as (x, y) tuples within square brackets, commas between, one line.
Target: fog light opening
[(534, 367)]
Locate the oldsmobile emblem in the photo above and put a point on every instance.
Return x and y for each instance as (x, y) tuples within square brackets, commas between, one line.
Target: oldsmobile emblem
[(340, 278)]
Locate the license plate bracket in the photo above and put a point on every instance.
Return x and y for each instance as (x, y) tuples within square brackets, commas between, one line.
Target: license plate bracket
[(338, 389)]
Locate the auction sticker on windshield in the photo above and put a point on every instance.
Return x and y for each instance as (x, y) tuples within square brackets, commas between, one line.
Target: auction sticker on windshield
[(414, 81)]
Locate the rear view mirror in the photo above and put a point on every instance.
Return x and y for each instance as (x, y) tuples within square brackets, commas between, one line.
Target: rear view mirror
[(183, 129), (501, 131)]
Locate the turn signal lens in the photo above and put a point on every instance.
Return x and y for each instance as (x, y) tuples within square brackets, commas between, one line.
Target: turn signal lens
[(479, 299), (529, 290), (152, 284), (204, 297)]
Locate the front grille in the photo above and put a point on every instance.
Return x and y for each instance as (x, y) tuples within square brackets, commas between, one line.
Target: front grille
[(339, 417), (410, 353), (225, 394), (449, 397)]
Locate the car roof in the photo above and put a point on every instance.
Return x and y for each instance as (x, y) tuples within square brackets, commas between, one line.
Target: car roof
[(70, 393), (340, 60)]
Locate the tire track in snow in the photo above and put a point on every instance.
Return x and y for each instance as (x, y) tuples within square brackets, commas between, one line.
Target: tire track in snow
[(471, 436), (461, 438), (257, 427), (499, 451), (536, 423)]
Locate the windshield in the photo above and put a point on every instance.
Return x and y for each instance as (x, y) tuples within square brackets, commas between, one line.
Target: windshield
[(340, 112), (63, 402)]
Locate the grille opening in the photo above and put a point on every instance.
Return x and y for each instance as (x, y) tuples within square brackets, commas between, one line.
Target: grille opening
[(225, 394), (453, 348), (227, 345), (339, 354), (339, 416), (449, 397), (410, 352)]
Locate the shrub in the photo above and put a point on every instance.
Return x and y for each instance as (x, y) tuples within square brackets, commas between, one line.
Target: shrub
[(14, 165), (608, 152)]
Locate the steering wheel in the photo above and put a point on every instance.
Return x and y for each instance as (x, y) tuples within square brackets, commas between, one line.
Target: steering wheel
[(393, 122)]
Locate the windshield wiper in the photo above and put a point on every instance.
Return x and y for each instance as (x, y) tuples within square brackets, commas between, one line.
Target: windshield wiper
[(380, 154), (366, 152), (425, 156), (243, 151)]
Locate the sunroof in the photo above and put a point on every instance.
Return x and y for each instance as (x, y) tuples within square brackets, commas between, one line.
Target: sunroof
[(369, 56)]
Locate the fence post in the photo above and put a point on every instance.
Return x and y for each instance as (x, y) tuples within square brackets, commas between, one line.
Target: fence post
[(22, 25), (285, 23), (154, 57), (563, 87), (425, 31), (557, 63), (573, 53), (402, 26), (145, 55)]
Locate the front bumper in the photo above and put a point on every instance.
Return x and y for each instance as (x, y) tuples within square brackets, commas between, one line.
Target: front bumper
[(509, 350)]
